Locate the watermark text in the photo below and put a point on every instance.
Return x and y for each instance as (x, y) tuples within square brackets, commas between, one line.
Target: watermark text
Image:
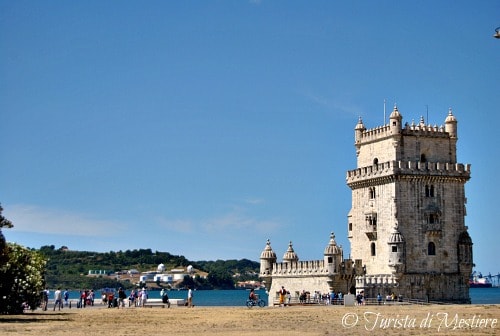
[(440, 321)]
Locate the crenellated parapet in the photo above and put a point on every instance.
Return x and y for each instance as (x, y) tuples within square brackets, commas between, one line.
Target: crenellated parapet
[(375, 133), (386, 131), (391, 169), (309, 267)]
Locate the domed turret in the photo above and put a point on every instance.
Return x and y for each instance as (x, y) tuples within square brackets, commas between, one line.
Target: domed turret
[(450, 124), (332, 249), (332, 255), (358, 130), (395, 121), (396, 245), (396, 237), (290, 254), (267, 259)]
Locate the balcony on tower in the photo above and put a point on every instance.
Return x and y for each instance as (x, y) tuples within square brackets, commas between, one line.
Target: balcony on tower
[(371, 225)]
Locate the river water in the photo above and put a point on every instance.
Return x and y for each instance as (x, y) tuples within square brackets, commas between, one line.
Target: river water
[(238, 297)]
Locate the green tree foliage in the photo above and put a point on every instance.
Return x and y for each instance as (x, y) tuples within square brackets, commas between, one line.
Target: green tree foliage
[(221, 280), (22, 279), (69, 269), (21, 273)]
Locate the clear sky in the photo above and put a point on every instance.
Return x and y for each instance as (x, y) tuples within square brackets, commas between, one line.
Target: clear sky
[(203, 128)]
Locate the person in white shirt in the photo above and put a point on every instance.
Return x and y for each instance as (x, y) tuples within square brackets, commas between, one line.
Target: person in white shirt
[(58, 299), (190, 298)]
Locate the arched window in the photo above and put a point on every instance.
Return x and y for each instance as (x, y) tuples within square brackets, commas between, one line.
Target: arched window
[(429, 190), (372, 192), (375, 161), (422, 158), (372, 248), (431, 249)]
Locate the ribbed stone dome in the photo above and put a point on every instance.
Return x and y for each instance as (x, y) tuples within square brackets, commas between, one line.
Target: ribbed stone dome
[(268, 252), (290, 254), (450, 117), (332, 248), (360, 125), (395, 113), (396, 237)]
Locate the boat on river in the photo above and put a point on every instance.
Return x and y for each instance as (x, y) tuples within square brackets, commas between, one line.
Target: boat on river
[(478, 281)]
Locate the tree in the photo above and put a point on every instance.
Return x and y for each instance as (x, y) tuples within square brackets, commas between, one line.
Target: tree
[(220, 280), (22, 273)]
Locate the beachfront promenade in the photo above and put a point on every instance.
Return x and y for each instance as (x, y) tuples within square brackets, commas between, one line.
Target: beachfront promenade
[(98, 303)]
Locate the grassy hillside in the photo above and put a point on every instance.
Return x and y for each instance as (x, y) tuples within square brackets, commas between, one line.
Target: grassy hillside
[(69, 269)]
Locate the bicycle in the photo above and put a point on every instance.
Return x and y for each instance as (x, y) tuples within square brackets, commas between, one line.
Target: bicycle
[(259, 302)]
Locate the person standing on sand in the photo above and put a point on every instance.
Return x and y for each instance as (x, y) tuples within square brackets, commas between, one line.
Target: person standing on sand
[(282, 296), (45, 298), (66, 297), (57, 299), (190, 298), (144, 297), (121, 298)]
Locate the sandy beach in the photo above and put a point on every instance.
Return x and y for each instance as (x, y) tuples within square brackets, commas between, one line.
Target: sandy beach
[(297, 320)]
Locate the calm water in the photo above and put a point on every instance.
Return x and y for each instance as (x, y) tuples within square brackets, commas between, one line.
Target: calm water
[(485, 295), (238, 297)]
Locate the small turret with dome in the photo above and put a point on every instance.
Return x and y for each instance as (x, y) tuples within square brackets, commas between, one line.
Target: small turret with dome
[(395, 121), (397, 246), (267, 259), (450, 124), (332, 248), (333, 254), (358, 133), (290, 255)]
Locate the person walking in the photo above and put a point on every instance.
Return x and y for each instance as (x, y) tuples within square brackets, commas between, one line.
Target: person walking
[(190, 298)]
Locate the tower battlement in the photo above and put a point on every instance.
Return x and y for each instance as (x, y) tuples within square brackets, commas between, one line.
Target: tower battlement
[(390, 168), (308, 267), (420, 129)]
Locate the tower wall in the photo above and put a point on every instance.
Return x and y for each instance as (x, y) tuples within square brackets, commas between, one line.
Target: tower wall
[(409, 178), (406, 225)]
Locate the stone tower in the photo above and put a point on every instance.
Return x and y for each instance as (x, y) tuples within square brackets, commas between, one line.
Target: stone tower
[(406, 221)]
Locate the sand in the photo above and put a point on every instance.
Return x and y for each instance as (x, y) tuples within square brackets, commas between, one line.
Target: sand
[(296, 320)]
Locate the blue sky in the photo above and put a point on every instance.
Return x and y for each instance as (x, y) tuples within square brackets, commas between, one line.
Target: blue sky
[(203, 128)]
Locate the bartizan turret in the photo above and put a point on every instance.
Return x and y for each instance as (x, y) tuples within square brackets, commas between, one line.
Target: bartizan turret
[(332, 255), (395, 120), (290, 255), (396, 251), (450, 125), (358, 132), (267, 259)]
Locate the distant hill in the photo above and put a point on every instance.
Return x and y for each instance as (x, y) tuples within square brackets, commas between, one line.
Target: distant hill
[(70, 269)]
